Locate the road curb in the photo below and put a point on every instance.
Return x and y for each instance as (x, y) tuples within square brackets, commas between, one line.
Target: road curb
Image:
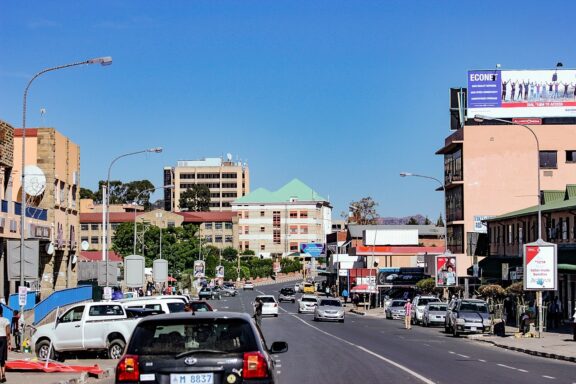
[(528, 351)]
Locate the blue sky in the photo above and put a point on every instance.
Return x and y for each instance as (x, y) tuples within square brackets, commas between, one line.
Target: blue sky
[(343, 95)]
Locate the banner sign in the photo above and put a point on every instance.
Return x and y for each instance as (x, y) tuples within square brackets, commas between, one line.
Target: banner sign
[(199, 268), (540, 267), (399, 276), (446, 271), (313, 249), (220, 272), (525, 93)]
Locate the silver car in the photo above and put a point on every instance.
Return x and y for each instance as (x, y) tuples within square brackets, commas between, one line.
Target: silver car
[(434, 314), (396, 309), (329, 309), (307, 304)]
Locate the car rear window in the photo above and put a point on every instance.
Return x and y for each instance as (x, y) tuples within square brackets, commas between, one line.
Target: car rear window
[(201, 307), (333, 303), (287, 291), (176, 307), (437, 307), (424, 301), (397, 303), (267, 299), (309, 299), (175, 336), (473, 307)]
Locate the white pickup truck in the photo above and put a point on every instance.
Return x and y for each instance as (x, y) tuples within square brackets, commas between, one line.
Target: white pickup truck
[(101, 326)]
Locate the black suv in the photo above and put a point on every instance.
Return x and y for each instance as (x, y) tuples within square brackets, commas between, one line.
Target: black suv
[(287, 294), (207, 347)]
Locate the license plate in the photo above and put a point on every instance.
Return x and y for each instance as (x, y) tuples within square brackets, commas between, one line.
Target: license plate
[(191, 378), (472, 328)]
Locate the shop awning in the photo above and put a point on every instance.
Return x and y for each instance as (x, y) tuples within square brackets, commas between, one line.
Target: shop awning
[(363, 288)]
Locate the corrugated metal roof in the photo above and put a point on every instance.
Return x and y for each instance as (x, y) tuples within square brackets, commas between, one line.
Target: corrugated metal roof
[(550, 196), (201, 217), (552, 206), (356, 231), (570, 191), (295, 189)]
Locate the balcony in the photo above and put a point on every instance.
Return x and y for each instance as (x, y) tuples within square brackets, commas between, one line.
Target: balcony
[(31, 212)]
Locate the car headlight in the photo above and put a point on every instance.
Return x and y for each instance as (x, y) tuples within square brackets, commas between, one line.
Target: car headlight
[(460, 321), (341, 313), (486, 322)]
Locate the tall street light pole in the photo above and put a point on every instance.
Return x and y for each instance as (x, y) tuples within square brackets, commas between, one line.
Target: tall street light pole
[(135, 202), (107, 60), (106, 203), (481, 118)]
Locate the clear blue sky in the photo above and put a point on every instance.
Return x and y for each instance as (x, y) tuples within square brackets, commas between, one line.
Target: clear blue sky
[(343, 95)]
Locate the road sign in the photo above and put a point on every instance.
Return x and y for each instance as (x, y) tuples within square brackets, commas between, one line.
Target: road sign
[(22, 295), (107, 293)]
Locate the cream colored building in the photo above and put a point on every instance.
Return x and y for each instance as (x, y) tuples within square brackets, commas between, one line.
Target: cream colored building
[(227, 181), (277, 223)]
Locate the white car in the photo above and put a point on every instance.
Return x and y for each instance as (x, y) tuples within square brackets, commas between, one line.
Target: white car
[(248, 285), (270, 306), (307, 304), (419, 303)]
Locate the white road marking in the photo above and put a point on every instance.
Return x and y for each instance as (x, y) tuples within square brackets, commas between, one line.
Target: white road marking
[(549, 377), (278, 365), (523, 370), (506, 366), (464, 356), (482, 361), (391, 362)]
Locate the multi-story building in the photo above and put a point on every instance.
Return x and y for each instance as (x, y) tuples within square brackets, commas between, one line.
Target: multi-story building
[(491, 167), (52, 210), (226, 180), (277, 223)]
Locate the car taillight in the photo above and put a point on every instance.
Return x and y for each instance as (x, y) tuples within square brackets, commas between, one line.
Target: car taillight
[(275, 305), (255, 366), (127, 369)]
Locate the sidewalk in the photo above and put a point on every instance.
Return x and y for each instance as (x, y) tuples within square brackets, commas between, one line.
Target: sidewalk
[(553, 345)]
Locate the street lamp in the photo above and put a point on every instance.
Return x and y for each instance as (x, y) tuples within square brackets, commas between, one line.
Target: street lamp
[(481, 118), (405, 174), (107, 60), (105, 203), (135, 202)]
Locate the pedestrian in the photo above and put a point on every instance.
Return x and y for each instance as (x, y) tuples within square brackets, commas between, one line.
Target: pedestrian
[(15, 330), (188, 308), (356, 299), (4, 344), (345, 295), (327, 291), (258, 304), (408, 314), (574, 325), (524, 323), (555, 313)]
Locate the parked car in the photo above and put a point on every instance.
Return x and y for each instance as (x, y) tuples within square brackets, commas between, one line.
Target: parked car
[(418, 305), (467, 316), (270, 306), (136, 313), (287, 294), (329, 309), (229, 291), (434, 314), (395, 309), (208, 293), (307, 303), (200, 306), (210, 347), (248, 285), (102, 326), (164, 305)]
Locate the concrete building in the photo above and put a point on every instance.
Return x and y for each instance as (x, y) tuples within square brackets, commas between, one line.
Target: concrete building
[(52, 211), (227, 181), (277, 223), (490, 168)]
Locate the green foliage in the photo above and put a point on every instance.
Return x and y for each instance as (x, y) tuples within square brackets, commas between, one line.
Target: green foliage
[(195, 199), (440, 221), (492, 291), (427, 221), (290, 265), (412, 221), (229, 254), (85, 193), (426, 285), (248, 252)]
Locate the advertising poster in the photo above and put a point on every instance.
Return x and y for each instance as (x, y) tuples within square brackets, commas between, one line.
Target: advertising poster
[(446, 271), (199, 268), (540, 271), (313, 249), (220, 272), (521, 93)]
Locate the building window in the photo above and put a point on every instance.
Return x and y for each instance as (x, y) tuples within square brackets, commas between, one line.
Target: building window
[(293, 247), (171, 224), (246, 245), (84, 227), (571, 156), (94, 239), (261, 213), (276, 236), (227, 225), (303, 214), (565, 229), (262, 229), (228, 238), (207, 225), (246, 230), (293, 229), (218, 238), (262, 247), (246, 214), (94, 227), (115, 226), (208, 238), (293, 214), (276, 219), (84, 238), (218, 225), (304, 229), (548, 159)]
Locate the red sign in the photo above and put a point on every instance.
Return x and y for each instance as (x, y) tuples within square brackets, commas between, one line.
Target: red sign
[(527, 121)]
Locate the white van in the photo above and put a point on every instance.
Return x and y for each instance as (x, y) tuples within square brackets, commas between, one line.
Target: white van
[(165, 305)]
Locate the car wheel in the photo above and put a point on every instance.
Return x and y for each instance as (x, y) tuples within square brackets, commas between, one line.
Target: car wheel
[(276, 315), (116, 349), (341, 320), (42, 350), (293, 301)]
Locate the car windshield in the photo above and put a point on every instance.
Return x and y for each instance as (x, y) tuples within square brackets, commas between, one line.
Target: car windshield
[(287, 291), (473, 307), (176, 307), (426, 300), (309, 299), (267, 299), (332, 303), (437, 307), (398, 303), (176, 336)]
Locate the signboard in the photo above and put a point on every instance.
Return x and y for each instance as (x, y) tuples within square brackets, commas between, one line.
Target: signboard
[(399, 276), (31, 259), (22, 294), (199, 268), (160, 270), (313, 249), (479, 226), (540, 266), (525, 93), (110, 269), (107, 293), (446, 271), (220, 272), (504, 271), (391, 237), (134, 271)]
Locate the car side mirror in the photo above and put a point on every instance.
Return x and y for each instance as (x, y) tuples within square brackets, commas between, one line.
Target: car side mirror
[(279, 347)]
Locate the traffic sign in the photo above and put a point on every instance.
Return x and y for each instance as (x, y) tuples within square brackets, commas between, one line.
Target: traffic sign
[(22, 295)]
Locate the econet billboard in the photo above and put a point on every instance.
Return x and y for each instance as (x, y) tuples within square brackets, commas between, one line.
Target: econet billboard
[(540, 266), (508, 94)]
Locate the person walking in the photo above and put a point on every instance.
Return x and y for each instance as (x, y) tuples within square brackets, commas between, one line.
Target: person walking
[(345, 295), (4, 344), (408, 314), (327, 291), (258, 304), (15, 330)]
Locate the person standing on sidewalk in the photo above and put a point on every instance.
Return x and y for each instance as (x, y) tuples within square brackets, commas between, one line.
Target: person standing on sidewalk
[(574, 325), (15, 330), (4, 344), (408, 314)]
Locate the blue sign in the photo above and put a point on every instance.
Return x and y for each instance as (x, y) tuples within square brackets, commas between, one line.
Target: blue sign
[(312, 249), (484, 89)]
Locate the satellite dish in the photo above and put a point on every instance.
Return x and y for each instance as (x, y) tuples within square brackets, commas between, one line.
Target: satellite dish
[(34, 180), (229, 156), (84, 245), (50, 248), (74, 259)]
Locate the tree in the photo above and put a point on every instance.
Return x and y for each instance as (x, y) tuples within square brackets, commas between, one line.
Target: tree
[(195, 199), (427, 285), (364, 211), (412, 221), (85, 193), (229, 254), (135, 189), (427, 221), (248, 252), (440, 222)]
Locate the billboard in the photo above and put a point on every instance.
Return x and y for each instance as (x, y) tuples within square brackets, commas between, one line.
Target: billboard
[(391, 237), (220, 272), (540, 270), (313, 249), (134, 271), (446, 271), (399, 276), (522, 93), (199, 268)]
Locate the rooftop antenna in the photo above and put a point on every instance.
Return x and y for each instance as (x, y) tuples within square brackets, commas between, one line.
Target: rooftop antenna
[(42, 113)]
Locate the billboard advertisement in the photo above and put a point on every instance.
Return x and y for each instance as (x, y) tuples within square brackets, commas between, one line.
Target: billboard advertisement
[(220, 272), (199, 268), (521, 93), (540, 270), (313, 249), (399, 276), (446, 271)]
